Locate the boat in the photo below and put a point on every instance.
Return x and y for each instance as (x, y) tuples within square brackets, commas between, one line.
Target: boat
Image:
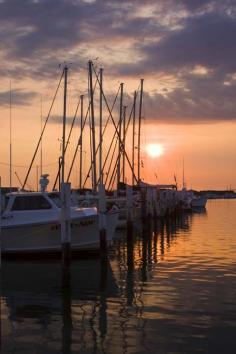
[(31, 223), (198, 202)]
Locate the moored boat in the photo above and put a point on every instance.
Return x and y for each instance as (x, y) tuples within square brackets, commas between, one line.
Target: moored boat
[(31, 224)]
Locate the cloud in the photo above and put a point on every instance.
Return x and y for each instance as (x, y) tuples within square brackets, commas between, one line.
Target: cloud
[(132, 39), (18, 97), (202, 100)]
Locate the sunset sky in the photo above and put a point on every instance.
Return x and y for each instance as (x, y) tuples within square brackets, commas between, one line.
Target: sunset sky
[(183, 49)]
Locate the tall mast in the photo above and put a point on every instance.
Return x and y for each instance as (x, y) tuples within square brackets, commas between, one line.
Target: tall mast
[(119, 132), (64, 126), (81, 139), (124, 126), (94, 182), (100, 128), (133, 139), (41, 144), (10, 171), (139, 126)]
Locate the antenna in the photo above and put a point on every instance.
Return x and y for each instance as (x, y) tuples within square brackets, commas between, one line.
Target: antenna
[(10, 171), (41, 144)]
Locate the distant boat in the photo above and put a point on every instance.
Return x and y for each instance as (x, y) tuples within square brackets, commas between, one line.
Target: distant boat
[(198, 202)]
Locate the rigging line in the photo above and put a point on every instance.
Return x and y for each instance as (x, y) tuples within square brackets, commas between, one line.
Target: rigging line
[(67, 142), (42, 132), (114, 150), (21, 166), (102, 136), (117, 141), (117, 132), (78, 143), (113, 176)]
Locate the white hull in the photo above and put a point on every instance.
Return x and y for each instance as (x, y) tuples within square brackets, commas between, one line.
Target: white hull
[(46, 236)]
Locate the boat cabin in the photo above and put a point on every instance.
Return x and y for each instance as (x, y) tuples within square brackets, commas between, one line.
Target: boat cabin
[(32, 201)]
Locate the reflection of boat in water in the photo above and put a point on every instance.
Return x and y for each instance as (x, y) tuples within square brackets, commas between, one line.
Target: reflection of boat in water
[(33, 288)]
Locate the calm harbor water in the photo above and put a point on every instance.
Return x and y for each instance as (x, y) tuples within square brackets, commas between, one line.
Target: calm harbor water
[(172, 289)]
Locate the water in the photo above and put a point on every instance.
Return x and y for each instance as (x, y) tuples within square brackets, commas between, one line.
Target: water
[(174, 291)]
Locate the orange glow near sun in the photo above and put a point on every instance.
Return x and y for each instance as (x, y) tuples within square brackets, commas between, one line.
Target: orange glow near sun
[(154, 150)]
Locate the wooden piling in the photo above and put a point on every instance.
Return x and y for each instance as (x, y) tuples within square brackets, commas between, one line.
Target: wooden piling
[(102, 222), (65, 224), (129, 206)]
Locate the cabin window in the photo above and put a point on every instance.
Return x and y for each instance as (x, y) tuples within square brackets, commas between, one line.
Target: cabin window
[(30, 203), (55, 197)]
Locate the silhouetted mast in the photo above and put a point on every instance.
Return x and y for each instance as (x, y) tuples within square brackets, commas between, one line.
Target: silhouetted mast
[(41, 145), (124, 131), (64, 126), (10, 171), (81, 140), (100, 129), (119, 132), (133, 139), (139, 126), (93, 147)]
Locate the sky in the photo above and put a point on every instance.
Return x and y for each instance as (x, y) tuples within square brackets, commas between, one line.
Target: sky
[(183, 49)]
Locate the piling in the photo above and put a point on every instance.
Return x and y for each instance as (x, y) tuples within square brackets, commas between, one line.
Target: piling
[(129, 206), (65, 223), (155, 207), (143, 203), (102, 222)]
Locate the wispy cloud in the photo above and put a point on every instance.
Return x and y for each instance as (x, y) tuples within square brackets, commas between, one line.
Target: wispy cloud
[(18, 98)]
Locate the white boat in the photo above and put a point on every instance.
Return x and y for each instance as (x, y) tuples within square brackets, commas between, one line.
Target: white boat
[(111, 215), (31, 224)]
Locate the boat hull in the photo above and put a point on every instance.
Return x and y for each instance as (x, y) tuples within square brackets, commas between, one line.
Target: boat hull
[(46, 237), (198, 202)]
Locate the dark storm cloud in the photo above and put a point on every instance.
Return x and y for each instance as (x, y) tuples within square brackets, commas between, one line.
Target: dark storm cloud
[(18, 98)]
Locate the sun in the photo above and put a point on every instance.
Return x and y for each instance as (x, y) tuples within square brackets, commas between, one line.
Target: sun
[(154, 150)]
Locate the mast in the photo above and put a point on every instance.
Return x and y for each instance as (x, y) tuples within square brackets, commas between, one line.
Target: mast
[(119, 132), (10, 146), (64, 126), (92, 127), (139, 126), (133, 139), (100, 128), (41, 144), (124, 123), (81, 139), (184, 186)]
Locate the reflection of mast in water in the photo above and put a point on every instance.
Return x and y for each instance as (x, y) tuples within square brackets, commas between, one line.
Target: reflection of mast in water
[(103, 303), (130, 268), (92, 325), (162, 240), (66, 311)]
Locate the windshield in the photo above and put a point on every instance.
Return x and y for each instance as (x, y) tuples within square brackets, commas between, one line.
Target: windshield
[(55, 197)]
